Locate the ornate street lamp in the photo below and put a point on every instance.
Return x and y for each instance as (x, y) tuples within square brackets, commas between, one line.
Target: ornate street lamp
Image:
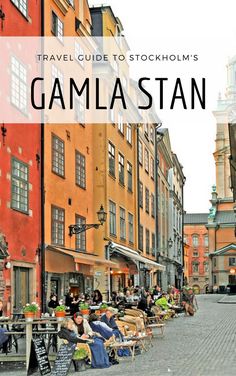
[(77, 229)]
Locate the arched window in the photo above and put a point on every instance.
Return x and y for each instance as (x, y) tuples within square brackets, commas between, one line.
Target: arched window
[(206, 240), (195, 240), (206, 266), (195, 266)]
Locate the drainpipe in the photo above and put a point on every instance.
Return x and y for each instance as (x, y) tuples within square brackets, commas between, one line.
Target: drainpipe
[(184, 179), (156, 201), (43, 282), (138, 195)]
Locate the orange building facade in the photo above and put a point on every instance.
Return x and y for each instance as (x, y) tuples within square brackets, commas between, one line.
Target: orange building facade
[(68, 174)]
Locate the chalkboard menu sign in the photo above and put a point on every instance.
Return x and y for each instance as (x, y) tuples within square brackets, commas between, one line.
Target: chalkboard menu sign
[(38, 358), (63, 359)]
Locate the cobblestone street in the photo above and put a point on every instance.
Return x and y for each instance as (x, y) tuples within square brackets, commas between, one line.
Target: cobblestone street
[(203, 345)]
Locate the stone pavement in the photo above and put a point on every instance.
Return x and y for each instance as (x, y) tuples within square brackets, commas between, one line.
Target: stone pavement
[(228, 299), (203, 345)]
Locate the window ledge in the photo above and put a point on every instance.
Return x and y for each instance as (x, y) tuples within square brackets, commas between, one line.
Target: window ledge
[(112, 176), (63, 5)]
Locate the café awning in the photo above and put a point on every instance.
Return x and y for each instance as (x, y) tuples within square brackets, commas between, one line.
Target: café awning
[(134, 255), (83, 258)]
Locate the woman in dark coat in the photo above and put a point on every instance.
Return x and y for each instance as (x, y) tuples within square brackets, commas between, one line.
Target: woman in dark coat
[(97, 297), (100, 357)]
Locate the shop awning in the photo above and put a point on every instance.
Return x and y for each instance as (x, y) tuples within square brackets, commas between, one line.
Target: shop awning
[(82, 258), (134, 255)]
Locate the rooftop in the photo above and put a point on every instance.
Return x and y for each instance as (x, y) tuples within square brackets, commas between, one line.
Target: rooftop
[(196, 218)]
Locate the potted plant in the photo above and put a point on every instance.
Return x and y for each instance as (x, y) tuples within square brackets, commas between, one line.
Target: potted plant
[(84, 308), (103, 307), (60, 311), (30, 311), (79, 359)]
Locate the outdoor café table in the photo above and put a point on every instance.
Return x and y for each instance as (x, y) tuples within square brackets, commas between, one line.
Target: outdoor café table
[(121, 345)]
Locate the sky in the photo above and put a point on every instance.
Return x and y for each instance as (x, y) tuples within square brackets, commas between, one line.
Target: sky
[(205, 28)]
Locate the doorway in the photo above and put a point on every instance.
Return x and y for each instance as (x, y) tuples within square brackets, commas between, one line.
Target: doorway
[(21, 283)]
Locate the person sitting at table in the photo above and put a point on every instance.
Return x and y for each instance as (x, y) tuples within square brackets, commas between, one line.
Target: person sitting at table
[(100, 357), (67, 332), (4, 338), (97, 297), (53, 303), (164, 305), (100, 327), (109, 319)]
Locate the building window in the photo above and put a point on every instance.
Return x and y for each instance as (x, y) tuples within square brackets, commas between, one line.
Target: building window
[(58, 156), (146, 160), (80, 239), (195, 279), (129, 133), (57, 27), (58, 225), (140, 152), (153, 244), (79, 51), (152, 134), (120, 123), (147, 200), (131, 227), (195, 253), (140, 237), (112, 218), (152, 168), (122, 224), (206, 266), (152, 205), (147, 241), (130, 176), (206, 241), (56, 73), (214, 279), (195, 266), (80, 169), (141, 194), (232, 261), (121, 169), (18, 85), (195, 240), (19, 186), (185, 239), (22, 5), (146, 130), (111, 156), (80, 109), (214, 262)]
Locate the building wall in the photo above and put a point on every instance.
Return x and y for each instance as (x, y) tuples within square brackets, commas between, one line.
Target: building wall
[(22, 231), (63, 192), (146, 213), (197, 254)]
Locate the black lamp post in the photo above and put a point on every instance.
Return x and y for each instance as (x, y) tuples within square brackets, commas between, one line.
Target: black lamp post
[(77, 229)]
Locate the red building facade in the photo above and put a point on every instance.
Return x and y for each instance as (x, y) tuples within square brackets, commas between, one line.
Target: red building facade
[(20, 174), (196, 237)]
